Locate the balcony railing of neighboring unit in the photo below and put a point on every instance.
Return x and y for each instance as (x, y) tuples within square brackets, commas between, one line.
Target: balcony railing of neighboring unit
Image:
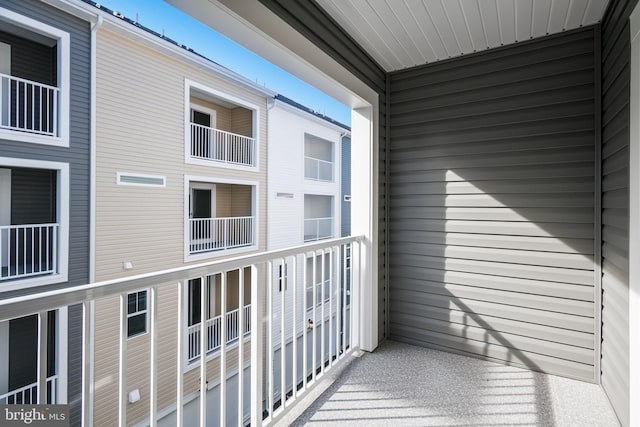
[(214, 334), (317, 169), (320, 348), (29, 394), (218, 234), (28, 250), (318, 229), (220, 146), (28, 106)]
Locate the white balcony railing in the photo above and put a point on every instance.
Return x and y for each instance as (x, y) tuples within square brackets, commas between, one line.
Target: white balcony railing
[(214, 333), (28, 250), (317, 169), (276, 384), (29, 394), (28, 106), (318, 229), (220, 146), (217, 234)]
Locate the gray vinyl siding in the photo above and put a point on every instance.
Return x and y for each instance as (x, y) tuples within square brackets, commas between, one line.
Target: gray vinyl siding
[(77, 155), (616, 55), (315, 24), (345, 209), (492, 207)]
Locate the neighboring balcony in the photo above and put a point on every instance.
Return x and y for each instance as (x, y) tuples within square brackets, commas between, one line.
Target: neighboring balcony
[(29, 394), (318, 229), (219, 234), (318, 169), (318, 159), (214, 332), (221, 130), (28, 250), (217, 145), (29, 106)]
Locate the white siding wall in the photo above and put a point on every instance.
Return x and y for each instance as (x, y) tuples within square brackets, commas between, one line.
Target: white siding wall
[(285, 216)]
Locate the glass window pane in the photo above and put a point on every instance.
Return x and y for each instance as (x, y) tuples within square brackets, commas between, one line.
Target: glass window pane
[(137, 324), (131, 303), (142, 300)]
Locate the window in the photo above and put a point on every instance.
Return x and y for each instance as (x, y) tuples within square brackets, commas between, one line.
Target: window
[(282, 278), (318, 159), (136, 313)]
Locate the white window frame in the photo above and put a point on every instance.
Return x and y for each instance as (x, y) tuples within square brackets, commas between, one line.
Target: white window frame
[(256, 114), (189, 180), (62, 212), (64, 80), (202, 109), (139, 312)]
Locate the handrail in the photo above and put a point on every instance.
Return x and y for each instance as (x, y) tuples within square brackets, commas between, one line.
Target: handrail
[(28, 304)]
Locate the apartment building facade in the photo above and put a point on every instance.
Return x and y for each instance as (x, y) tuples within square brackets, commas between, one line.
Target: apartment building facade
[(304, 206), (44, 195), (180, 179)]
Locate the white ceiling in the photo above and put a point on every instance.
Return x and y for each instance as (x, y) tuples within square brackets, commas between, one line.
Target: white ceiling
[(403, 33)]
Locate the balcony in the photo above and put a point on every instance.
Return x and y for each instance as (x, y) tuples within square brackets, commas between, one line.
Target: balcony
[(28, 250), (29, 394), (219, 234), (318, 169), (216, 145), (28, 106), (318, 229), (214, 332)]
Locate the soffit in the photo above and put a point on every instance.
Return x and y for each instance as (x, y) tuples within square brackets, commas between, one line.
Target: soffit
[(400, 34)]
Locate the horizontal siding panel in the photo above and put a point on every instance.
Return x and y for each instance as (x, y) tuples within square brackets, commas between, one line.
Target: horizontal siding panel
[(514, 326), (474, 307), (517, 256), (504, 90), (557, 230), (569, 215), (492, 163), (568, 170), (550, 157), (523, 243), (485, 281), (507, 297), (566, 185), (520, 143), (552, 274)]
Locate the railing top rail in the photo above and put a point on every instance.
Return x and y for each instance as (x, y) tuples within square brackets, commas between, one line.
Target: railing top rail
[(220, 130), (318, 160), (319, 218), (49, 224), (19, 306), (221, 218), (20, 79)]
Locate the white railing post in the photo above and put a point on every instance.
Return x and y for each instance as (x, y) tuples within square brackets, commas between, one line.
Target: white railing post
[(223, 349), (122, 366), (241, 320), (257, 355), (153, 363), (42, 357), (203, 350), (180, 356)]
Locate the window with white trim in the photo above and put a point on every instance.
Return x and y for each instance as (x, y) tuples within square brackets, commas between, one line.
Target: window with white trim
[(136, 313)]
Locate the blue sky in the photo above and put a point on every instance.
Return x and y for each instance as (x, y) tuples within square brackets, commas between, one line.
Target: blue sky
[(162, 17)]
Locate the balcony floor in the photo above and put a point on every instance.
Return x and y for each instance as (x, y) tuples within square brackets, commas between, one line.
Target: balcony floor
[(401, 384)]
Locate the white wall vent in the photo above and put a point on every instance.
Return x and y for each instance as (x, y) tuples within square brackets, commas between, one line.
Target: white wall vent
[(124, 178)]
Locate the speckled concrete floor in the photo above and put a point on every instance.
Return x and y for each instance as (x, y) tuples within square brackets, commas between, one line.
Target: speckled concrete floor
[(405, 385)]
